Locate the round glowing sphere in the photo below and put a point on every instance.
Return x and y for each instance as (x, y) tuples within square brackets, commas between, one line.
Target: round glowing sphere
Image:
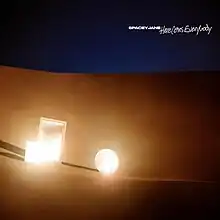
[(106, 161)]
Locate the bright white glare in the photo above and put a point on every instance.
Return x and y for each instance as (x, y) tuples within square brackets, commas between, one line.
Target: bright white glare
[(33, 152), (43, 151), (106, 161)]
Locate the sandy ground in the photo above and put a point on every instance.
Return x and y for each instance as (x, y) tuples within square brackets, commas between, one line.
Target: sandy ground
[(57, 191)]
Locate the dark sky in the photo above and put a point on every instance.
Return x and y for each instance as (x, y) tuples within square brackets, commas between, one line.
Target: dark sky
[(93, 36)]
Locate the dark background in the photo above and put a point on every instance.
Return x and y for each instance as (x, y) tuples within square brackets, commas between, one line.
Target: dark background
[(93, 36)]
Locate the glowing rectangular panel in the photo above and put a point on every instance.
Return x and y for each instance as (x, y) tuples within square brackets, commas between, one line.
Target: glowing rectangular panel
[(52, 135), (50, 143)]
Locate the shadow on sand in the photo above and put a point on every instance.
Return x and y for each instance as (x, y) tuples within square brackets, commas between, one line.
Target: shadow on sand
[(12, 148), (12, 156)]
